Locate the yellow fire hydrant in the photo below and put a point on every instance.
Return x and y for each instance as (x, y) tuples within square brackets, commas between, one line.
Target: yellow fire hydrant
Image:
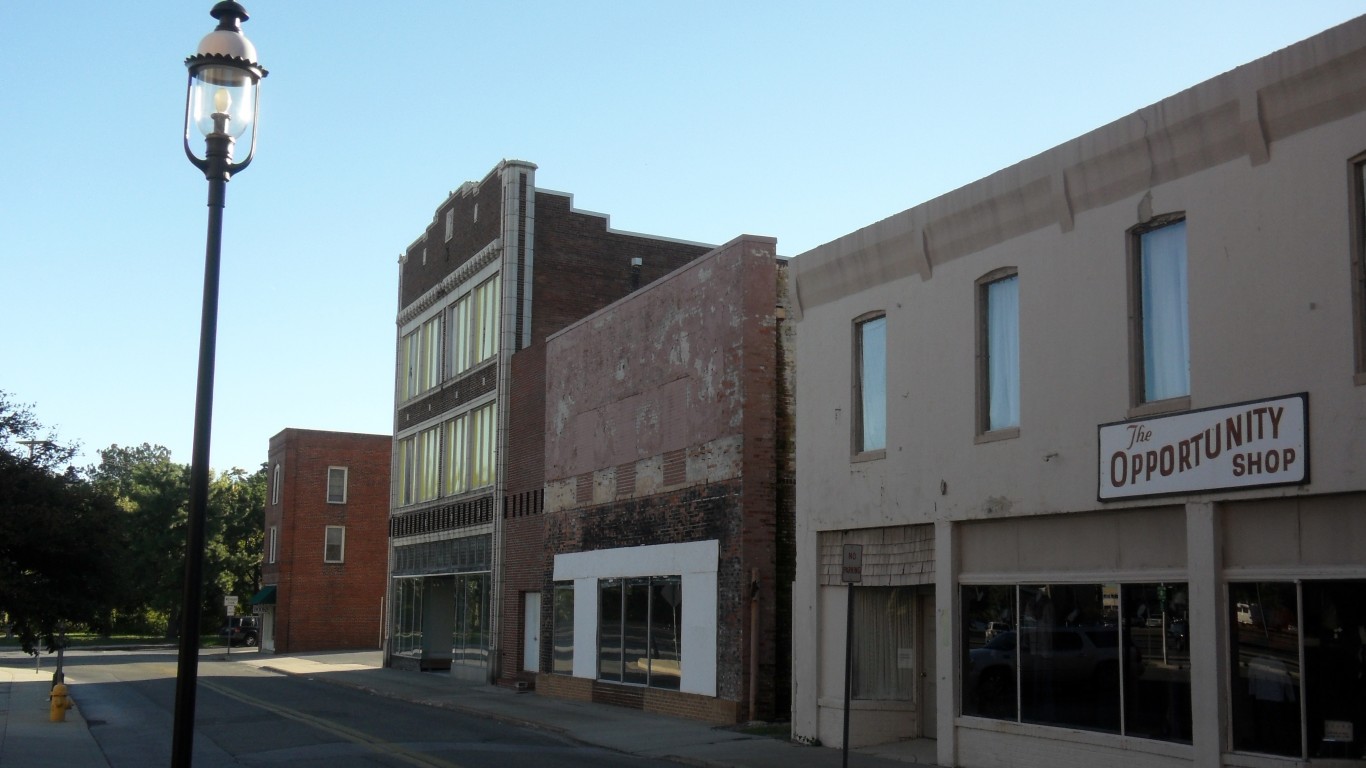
[(61, 702)]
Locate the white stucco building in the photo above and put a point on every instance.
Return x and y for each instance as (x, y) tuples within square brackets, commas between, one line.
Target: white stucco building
[(1098, 423)]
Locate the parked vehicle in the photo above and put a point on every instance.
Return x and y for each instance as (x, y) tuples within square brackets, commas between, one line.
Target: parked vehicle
[(241, 630), (1086, 656)]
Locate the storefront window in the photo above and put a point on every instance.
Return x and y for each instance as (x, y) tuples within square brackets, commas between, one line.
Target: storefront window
[(562, 659), (1157, 698), (990, 637), (1317, 711), (639, 631), (1098, 657), (470, 635), (407, 639)]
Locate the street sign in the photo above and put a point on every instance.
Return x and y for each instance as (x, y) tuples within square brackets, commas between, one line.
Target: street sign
[(230, 601), (851, 570)]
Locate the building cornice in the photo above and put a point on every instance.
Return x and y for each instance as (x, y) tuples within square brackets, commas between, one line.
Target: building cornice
[(462, 274)]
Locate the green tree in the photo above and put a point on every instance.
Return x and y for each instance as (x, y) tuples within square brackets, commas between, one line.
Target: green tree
[(57, 559), (237, 503), (153, 495)]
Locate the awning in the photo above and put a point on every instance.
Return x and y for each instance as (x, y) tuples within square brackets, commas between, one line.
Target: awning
[(265, 597)]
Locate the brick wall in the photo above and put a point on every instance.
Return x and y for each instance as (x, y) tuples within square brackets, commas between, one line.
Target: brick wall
[(327, 606), (416, 277), (650, 400)]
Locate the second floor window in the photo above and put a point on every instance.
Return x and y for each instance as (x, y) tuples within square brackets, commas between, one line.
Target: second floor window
[(870, 387), (999, 351), (448, 459), (1162, 335), (273, 545)]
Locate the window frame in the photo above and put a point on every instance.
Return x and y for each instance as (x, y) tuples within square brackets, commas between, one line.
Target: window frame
[(273, 545), (275, 486), (985, 432), (344, 484), (1139, 404), (1356, 180), (858, 440), (328, 544)]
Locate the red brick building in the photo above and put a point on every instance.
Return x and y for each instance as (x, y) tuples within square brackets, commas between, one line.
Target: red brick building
[(502, 265), (667, 554), (326, 543)]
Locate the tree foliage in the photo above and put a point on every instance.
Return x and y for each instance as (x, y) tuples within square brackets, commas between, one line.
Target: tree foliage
[(57, 567), (107, 550)]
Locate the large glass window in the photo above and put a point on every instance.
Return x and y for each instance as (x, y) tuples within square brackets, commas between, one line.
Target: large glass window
[(483, 442), (639, 631), (407, 638), (884, 658), (1164, 333), (428, 464), (475, 325), (456, 468), (1000, 353), (1299, 668), (562, 658), (420, 359), (406, 458), (1099, 657), (470, 633), (870, 389)]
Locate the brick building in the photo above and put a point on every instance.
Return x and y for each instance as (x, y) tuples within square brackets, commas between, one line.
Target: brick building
[(502, 266), (668, 553), (326, 544), (1097, 422)]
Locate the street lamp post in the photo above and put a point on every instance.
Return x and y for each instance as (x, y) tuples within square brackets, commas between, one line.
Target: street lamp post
[(220, 101)]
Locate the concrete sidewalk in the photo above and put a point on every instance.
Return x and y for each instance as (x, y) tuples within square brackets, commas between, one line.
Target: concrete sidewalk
[(28, 738), (617, 728)]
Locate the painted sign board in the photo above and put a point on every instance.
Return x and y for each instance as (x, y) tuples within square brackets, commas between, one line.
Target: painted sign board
[(1243, 445)]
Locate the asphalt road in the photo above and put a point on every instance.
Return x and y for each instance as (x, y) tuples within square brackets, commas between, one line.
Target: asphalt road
[(250, 717)]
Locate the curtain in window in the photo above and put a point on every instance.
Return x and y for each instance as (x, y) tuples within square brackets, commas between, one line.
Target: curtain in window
[(456, 470), (483, 434), (1003, 353), (407, 470), (873, 385), (884, 660), (460, 335), (1166, 341), (428, 463)]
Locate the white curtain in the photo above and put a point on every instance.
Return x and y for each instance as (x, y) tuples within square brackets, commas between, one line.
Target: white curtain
[(1003, 353), (1166, 336), (884, 645)]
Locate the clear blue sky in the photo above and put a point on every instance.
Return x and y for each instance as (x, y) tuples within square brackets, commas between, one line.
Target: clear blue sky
[(697, 120)]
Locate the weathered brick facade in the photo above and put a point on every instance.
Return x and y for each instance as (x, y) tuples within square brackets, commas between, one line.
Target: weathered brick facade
[(321, 605), (669, 421)]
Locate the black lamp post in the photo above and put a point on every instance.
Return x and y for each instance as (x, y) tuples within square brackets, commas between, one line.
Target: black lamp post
[(220, 101)]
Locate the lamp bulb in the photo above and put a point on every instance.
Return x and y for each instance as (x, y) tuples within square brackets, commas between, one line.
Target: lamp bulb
[(222, 100)]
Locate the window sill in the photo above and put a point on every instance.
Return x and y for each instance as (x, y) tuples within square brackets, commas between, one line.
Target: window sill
[(1169, 405), (997, 435), (868, 456)]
